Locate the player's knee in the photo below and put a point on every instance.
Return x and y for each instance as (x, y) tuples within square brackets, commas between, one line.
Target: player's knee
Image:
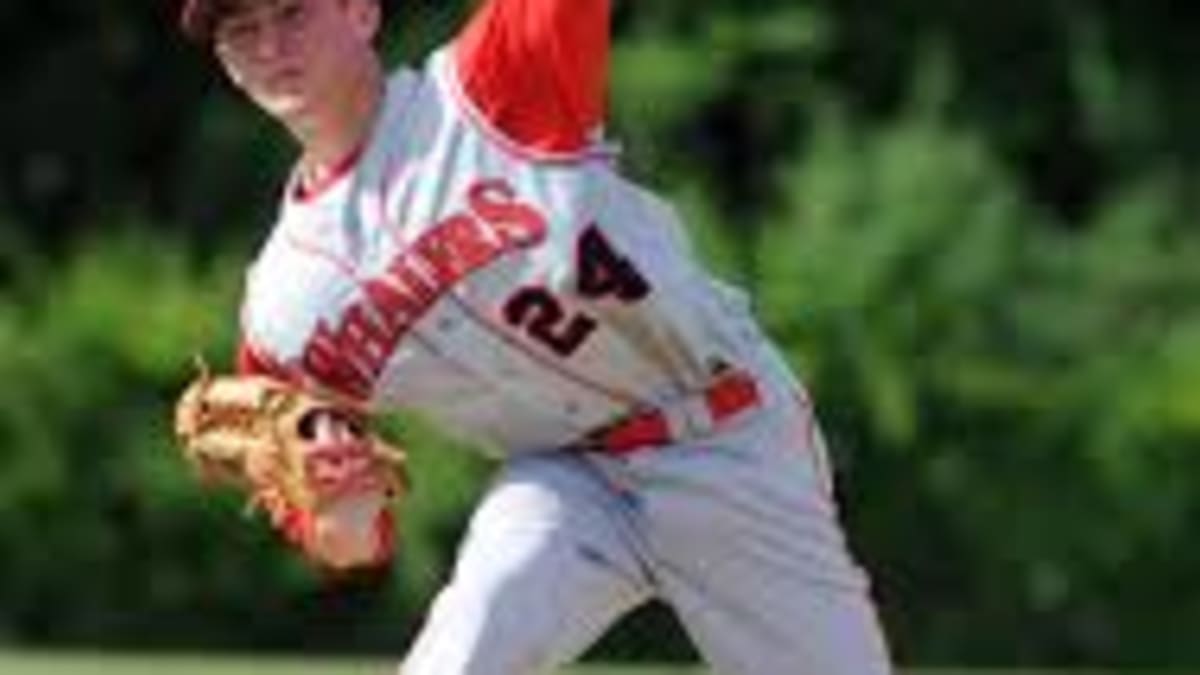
[(470, 634)]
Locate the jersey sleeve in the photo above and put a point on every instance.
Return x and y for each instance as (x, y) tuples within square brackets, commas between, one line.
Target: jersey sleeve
[(537, 70)]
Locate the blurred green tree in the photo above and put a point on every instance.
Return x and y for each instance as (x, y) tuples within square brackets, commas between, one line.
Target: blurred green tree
[(972, 228)]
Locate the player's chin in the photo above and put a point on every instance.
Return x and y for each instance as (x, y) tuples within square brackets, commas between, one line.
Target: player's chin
[(287, 106)]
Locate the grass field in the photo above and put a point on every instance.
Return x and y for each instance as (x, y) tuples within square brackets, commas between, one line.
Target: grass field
[(94, 664), (38, 663)]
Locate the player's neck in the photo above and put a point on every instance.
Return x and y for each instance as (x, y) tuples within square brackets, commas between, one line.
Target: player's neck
[(339, 130)]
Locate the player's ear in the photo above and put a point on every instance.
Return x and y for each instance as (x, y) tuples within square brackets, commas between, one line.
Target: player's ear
[(365, 15)]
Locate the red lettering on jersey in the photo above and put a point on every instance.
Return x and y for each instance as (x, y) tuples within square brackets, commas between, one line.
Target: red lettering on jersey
[(326, 359), (405, 271), (394, 304), (439, 254), (468, 244), (351, 355), (363, 333), (495, 202), (252, 360)]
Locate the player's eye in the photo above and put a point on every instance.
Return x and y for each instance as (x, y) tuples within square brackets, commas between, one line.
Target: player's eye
[(291, 13), (236, 32)]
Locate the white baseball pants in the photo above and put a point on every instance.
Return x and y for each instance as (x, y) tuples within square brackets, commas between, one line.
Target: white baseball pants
[(736, 532)]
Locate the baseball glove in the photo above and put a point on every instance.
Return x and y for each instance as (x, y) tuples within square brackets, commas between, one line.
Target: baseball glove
[(308, 459)]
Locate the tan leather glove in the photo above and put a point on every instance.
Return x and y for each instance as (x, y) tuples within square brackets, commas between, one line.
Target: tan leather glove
[(309, 459)]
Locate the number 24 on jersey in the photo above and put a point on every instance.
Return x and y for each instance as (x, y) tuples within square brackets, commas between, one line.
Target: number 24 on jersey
[(603, 273)]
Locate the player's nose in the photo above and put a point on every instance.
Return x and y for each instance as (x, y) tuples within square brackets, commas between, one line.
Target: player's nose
[(270, 43)]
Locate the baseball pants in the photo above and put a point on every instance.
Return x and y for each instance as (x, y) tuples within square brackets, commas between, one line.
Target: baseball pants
[(737, 532)]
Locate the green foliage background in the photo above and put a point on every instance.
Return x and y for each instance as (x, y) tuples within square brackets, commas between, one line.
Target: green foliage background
[(972, 227)]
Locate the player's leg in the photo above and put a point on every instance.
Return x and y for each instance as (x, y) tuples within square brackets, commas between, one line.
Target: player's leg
[(778, 624), (544, 569), (746, 547)]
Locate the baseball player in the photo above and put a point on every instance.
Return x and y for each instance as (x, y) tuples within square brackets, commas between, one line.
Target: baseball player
[(456, 239)]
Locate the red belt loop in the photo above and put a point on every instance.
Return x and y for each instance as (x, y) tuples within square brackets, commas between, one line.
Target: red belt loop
[(729, 394), (640, 431)]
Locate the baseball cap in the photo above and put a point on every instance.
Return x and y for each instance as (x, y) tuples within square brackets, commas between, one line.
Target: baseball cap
[(197, 18)]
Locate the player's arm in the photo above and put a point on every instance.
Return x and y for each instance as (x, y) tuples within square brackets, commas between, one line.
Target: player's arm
[(537, 69)]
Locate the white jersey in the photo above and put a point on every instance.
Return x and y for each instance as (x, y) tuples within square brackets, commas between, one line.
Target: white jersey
[(522, 299), (481, 261)]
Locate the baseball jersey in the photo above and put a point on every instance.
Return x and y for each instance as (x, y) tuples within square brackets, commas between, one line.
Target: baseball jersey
[(482, 261)]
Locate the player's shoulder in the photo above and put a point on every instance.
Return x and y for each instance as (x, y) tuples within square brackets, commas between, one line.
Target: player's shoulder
[(425, 100), (415, 94), (405, 75)]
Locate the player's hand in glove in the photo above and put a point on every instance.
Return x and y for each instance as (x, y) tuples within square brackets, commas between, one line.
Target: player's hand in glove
[(308, 459)]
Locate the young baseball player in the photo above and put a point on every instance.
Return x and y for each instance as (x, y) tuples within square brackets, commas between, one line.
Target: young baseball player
[(456, 239)]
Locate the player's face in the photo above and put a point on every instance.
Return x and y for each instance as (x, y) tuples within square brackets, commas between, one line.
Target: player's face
[(292, 56)]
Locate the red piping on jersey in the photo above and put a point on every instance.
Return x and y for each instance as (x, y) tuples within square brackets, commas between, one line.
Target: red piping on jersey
[(305, 193)]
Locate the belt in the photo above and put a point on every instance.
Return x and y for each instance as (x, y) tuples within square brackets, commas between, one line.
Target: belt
[(690, 416)]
